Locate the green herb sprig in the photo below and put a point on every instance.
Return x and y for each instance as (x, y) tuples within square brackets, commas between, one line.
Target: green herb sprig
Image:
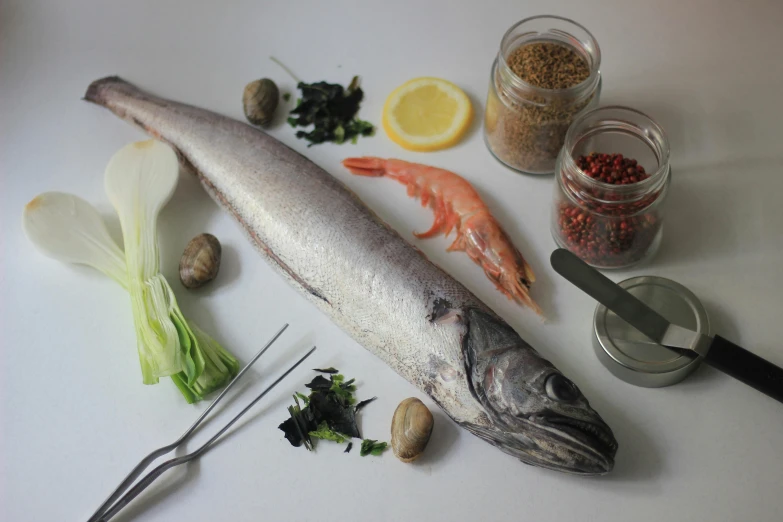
[(372, 447)]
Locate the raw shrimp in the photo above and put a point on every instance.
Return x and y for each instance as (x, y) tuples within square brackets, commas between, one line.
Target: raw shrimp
[(458, 206)]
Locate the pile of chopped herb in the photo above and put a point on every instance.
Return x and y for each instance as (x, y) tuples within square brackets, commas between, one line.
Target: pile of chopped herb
[(328, 413), (331, 110)]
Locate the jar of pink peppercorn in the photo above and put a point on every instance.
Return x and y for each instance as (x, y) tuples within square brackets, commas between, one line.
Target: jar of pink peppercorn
[(612, 178)]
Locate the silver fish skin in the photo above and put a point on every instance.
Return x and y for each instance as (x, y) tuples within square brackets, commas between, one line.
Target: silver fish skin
[(377, 287)]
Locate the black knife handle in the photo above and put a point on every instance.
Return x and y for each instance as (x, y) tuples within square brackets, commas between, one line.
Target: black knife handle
[(746, 367)]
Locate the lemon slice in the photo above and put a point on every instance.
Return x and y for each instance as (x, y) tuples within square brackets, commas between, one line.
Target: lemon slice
[(426, 114)]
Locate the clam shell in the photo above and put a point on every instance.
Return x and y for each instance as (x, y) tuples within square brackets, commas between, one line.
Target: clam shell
[(259, 100), (411, 429), (200, 261)]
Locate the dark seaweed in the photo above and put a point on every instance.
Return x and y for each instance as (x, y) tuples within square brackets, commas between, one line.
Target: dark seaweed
[(340, 416), (297, 428), (364, 403), (319, 383), (331, 401), (348, 449), (326, 370), (331, 110)]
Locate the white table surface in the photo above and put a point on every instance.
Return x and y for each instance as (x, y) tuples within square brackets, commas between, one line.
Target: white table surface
[(74, 413)]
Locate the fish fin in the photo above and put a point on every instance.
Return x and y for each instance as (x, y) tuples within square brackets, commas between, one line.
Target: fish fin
[(450, 317), (443, 312), (447, 372)]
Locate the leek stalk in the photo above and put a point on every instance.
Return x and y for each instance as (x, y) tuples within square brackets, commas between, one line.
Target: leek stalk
[(139, 179)]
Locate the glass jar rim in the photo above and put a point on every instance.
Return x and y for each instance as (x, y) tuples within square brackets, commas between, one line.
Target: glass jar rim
[(571, 140), (574, 90)]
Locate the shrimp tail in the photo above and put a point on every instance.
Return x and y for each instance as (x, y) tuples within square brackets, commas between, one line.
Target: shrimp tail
[(367, 166)]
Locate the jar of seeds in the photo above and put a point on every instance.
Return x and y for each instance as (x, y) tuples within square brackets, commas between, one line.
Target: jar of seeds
[(545, 75)]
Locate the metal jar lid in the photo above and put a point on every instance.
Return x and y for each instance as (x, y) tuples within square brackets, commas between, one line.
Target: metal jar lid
[(629, 354)]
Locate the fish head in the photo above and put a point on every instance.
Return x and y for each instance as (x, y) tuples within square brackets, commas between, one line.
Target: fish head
[(537, 414)]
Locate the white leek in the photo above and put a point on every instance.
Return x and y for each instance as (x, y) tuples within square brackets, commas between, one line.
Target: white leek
[(69, 229), (139, 180)]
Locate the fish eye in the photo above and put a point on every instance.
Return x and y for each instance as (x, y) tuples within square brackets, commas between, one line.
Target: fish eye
[(561, 389)]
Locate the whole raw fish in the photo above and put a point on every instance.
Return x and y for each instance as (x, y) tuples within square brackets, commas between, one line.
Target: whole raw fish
[(383, 292)]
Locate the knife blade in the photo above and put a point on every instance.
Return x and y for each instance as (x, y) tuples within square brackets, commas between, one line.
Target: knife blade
[(717, 351), (626, 306)]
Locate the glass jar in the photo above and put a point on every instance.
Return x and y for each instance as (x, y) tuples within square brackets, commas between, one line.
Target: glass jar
[(610, 225), (525, 125)]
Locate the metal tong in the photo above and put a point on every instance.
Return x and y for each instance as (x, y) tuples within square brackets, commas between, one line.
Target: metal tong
[(117, 501)]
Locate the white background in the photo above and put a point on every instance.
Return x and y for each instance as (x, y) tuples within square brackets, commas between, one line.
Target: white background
[(75, 416)]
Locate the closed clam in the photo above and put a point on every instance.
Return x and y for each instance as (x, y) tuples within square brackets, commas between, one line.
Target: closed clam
[(259, 101), (411, 429), (200, 261)]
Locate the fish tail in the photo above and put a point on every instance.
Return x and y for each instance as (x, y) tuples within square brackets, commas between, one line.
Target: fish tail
[(122, 98), (96, 92), (367, 166)]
